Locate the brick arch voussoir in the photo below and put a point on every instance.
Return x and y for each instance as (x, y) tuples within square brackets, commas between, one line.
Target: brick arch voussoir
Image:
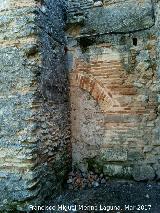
[(97, 91)]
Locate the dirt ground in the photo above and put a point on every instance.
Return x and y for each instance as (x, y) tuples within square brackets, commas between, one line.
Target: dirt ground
[(113, 197)]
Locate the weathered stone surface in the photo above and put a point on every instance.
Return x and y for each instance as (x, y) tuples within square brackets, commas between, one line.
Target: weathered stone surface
[(120, 171), (33, 138), (143, 172), (98, 3), (4, 4), (123, 17), (157, 169), (120, 72), (156, 136), (114, 72), (114, 154), (134, 155)]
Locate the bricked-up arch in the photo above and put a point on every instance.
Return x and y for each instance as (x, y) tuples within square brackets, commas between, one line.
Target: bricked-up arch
[(88, 83)]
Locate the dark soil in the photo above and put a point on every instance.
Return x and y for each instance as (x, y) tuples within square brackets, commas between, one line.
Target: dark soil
[(113, 197)]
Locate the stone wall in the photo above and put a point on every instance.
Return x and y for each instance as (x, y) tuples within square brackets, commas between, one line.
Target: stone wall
[(109, 60), (51, 101), (114, 77), (34, 137)]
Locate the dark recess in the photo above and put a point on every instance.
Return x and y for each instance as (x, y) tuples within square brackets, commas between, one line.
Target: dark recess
[(135, 41)]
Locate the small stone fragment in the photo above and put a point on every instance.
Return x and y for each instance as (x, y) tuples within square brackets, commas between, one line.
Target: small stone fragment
[(98, 3), (103, 181), (70, 187), (144, 172), (95, 184), (71, 173), (101, 175), (69, 181)]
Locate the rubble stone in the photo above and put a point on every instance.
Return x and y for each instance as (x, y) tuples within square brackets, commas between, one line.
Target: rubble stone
[(144, 172)]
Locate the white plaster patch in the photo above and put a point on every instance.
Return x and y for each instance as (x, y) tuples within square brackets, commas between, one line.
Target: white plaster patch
[(104, 54), (4, 4), (98, 3)]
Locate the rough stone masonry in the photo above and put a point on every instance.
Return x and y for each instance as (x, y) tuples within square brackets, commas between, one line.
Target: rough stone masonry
[(35, 132), (80, 80)]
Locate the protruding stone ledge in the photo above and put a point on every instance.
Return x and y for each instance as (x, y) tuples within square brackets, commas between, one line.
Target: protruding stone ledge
[(117, 18)]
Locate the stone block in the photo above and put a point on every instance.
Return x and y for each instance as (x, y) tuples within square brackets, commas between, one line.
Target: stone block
[(157, 169), (143, 172), (156, 137), (158, 97), (124, 17), (134, 155), (119, 171), (114, 154), (147, 149), (151, 159)]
